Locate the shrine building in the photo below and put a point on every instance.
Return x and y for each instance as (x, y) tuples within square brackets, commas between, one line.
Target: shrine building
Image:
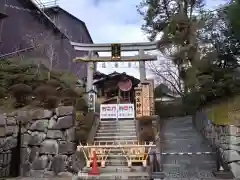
[(115, 88)]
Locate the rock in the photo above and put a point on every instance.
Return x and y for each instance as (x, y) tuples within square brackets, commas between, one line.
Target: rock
[(235, 169), (34, 153), (11, 130), (54, 134), (59, 164), (39, 125), (65, 122), (2, 131), (2, 119), (37, 138), (66, 147), (231, 155), (49, 146), (10, 142), (65, 174), (11, 121), (25, 152), (41, 114), (51, 123), (40, 163), (70, 134), (25, 138), (64, 110)]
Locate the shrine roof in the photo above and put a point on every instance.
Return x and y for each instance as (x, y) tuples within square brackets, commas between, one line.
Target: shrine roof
[(114, 75)]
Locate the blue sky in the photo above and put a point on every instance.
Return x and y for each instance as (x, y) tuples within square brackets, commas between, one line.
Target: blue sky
[(113, 21)]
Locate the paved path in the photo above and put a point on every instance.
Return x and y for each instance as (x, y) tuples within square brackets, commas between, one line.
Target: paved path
[(180, 136)]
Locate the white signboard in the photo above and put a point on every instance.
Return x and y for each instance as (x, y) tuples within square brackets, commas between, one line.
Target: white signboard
[(108, 111), (126, 111), (117, 111)]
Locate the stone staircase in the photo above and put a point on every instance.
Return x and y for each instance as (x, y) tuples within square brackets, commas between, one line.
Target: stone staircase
[(122, 131)]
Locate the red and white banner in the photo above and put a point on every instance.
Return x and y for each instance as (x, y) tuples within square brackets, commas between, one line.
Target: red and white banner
[(117, 111)]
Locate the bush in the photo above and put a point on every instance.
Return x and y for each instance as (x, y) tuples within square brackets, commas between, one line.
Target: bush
[(51, 102), (53, 83), (147, 134), (70, 93), (44, 91), (81, 105), (20, 92)]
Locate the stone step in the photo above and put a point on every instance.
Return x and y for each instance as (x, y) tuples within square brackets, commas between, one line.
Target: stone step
[(115, 130), (110, 142), (115, 133), (102, 138), (118, 122), (112, 169), (114, 127)]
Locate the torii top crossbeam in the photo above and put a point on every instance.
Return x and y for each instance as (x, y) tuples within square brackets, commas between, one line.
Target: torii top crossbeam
[(106, 47)]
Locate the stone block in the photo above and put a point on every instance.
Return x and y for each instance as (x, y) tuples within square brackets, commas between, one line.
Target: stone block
[(54, 134), (5, 158), (40, 163), (59, 163), (70, 134), (23, 117), (231, 155), (235, 168), (66, 147), (37, 138), (11, 130), (65, 174), (11, 121), (3, 119), (34, 152), (49, 146), (76, 162), (25, 152), (64, 122), (41, 114), (64, 110), (51, 123), (39, 125), (25, 138), (2, 131), (9, 143)]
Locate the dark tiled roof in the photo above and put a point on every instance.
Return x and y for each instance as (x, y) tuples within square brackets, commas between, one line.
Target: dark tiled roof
[(117, 74)]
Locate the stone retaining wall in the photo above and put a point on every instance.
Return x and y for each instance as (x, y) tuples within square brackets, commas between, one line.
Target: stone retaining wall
[(226, 137), (48, 146)]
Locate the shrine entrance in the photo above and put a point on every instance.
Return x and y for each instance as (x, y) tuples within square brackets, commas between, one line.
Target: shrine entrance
[(122, 97)]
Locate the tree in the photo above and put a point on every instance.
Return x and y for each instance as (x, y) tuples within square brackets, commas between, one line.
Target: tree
[(45, 45), (233, 11), (166, 72), (177, 21)]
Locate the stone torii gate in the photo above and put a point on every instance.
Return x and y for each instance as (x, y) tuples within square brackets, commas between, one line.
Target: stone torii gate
[(116, 56)]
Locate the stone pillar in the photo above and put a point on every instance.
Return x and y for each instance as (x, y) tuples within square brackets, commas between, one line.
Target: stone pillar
[(90, 70), (142, 68)]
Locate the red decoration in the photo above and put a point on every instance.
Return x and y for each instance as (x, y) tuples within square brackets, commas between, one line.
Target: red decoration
[(125, 85)]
